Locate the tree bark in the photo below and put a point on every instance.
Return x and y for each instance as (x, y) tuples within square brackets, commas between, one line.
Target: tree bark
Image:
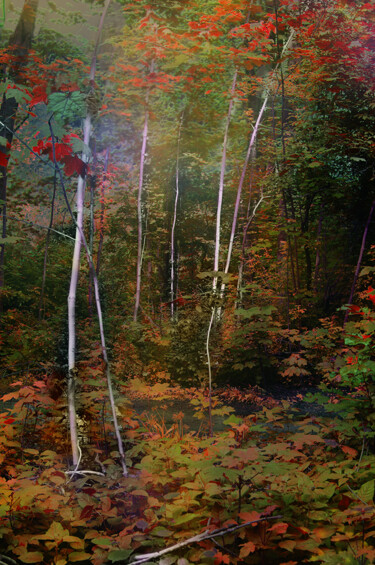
[(102, 208), (44, 277), (359, 262), (79, 239), (221, 184), (177, 194), (20, 42), (139, 208), (239, 190)]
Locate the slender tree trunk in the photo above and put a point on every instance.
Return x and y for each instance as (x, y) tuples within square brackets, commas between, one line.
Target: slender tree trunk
[(92, 227), (139, 207), (20, 43), (41, 299), (359, 262), (177, 194), (75, 273), (102, 207), (317, 257), (239, 190), (210, 423), (221, 184)]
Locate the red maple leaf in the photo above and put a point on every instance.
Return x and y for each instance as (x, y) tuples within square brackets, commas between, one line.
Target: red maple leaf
[(4, 158), (74, 164)]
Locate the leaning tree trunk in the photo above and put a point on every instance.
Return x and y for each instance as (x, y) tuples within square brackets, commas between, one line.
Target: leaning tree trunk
[(239, 191), (79, 240), (20, 43)]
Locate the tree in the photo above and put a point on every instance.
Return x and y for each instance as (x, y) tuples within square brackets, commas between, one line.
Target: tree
[(19, 45)]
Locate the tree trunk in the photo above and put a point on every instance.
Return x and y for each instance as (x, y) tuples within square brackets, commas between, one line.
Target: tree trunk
[(139, 208), (359, 262), (93, 178), (44, 277), (239, 190), (20, 43), (221, 184), (177, 194), (102, 208), (79, 239)]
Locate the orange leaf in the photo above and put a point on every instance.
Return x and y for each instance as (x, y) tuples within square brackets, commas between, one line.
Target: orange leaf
[(247, 548), (279, 528), (349, 450)]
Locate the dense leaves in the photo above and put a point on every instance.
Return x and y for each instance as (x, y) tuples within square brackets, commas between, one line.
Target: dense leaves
[(290, 481)]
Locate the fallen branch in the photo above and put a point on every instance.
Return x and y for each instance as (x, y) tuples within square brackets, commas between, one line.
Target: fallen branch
[(198, 538), (83, 472)]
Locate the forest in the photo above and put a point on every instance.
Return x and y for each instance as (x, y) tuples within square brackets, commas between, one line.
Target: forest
[(187, 254)]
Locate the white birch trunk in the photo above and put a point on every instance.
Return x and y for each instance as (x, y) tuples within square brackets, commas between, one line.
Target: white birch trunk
[(139, 208), (72, 298), (221, 184), (177, 194), (79, 240), (240, 185), (239, 190)]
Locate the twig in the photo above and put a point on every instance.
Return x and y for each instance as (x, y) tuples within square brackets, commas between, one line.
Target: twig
[(7, 560), (362, 450), (97, 460), (198, 538), (28, 222), (225, 549), (83, 473), (359, 498)]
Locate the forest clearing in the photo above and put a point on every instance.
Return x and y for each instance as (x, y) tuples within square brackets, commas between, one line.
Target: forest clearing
[(187, 256)]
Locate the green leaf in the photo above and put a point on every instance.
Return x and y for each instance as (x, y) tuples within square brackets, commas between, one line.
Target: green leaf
[(366, 492), (162, 532), (102, 541), (367, 271), (255, 311), (186, 518), (233, 420), (119, 554), (79, 556)]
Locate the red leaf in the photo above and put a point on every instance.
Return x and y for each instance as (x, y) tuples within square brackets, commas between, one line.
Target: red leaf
[(74, 164), (344, 502), (89, 490), (61, 150), (9, 421), (86, 512), (39, 95), (4, 158), (221, 558), (349, 450)]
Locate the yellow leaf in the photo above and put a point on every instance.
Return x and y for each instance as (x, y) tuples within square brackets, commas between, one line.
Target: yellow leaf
[(32, 557)]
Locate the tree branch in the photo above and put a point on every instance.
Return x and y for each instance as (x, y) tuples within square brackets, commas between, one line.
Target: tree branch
[(198, 538)]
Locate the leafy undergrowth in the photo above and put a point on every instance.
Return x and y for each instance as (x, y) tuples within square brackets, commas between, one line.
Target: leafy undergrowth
[(300, 489)]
